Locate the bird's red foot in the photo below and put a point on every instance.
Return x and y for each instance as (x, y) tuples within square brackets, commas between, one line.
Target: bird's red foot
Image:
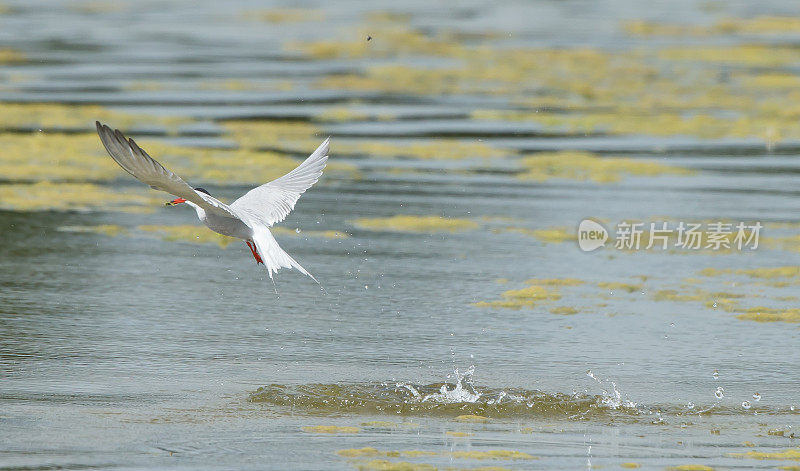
[(253, 250)]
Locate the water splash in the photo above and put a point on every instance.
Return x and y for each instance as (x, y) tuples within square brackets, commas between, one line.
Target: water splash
[(461, 396), (611, 398), (464, 390), (449, 398)]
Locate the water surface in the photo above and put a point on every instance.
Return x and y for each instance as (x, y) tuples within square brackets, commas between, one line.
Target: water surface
[(127, 342)]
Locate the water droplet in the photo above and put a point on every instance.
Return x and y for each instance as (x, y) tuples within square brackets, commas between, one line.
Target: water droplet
[(715, 374), (690, 405), (791, 408), (672, 324), (297, 230), (746, 404), (720, 393), (757, 397)]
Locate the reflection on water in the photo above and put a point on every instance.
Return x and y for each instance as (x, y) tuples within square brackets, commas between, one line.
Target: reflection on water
[(469, 142)]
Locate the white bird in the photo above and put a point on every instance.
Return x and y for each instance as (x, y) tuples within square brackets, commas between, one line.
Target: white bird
[(247, 218)]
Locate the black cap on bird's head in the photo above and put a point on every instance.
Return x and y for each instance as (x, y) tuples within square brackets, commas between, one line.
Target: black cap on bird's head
[(181, 200)]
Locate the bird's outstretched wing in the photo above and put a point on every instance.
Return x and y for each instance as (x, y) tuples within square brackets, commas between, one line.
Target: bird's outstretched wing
[(135, 161), (272, 202)]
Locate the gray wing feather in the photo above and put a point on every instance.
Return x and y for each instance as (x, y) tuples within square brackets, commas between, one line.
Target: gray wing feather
[(134, 160), (272, 202)]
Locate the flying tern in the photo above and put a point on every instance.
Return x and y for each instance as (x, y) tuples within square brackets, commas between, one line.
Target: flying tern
[(248, 218)]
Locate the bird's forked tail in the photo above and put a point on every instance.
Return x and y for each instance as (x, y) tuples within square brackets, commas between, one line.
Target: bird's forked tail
[(273, 255)]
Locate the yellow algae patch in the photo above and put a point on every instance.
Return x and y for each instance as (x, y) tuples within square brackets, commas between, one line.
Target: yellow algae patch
[(95, 7), (760, 24), (532, 292), (792, 454), (189, 233), (790, 243), (651, 91), (564, 310), (630, 465), (341, 114), (554, 281), (729, 302), (691, 467), (772, 80), (579, 165), (325, 234), (384, 465), (756, 25), (81, 157), (380, 423), (725, 295), (60, 116), (369, 451), (617, 286), (745, 54), (766, 125), (274, 134), (728, 305), (674, 295), (493, 455), (229, 166), (387, 424), (479, 419), (106, 229), (253, 158), (46, 196), (395, 39), (359, 452), (237, 85), (458, 434), (287, 15), (790, 468), (10, 55), (765, 314), (525, 297), (554, 235), (54, 156), (771, 273), (712, 272), (445, 149), (421, 224), (330, 429), (649, 28), (413, 453)]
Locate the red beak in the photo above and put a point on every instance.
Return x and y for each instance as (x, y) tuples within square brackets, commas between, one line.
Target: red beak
[(175, 201)]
